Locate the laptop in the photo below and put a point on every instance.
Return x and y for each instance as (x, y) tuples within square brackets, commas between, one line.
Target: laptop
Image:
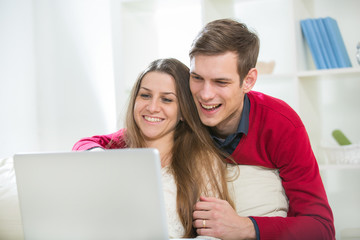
[(113, 194)]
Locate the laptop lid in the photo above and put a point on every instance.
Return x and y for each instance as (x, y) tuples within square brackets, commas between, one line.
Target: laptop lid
[(113, 194)]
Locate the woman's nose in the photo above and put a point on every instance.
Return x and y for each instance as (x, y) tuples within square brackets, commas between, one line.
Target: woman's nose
[(153, 106)]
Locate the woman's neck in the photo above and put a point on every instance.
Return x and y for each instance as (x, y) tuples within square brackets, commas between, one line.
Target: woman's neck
[(164, 146)]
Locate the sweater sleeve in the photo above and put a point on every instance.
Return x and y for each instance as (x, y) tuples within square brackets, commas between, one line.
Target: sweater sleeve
[(309, 215), (109, 141)]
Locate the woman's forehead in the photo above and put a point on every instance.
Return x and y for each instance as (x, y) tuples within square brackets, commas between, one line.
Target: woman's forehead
[(158, 81)]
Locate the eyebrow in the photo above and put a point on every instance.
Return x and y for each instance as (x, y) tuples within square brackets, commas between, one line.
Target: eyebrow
[(194, 73), (216, 79), (166, 93)]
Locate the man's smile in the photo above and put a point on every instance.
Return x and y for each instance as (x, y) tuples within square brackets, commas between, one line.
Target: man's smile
[(210, 107)]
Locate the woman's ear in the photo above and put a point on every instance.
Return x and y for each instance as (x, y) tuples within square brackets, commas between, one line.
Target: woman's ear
[(180, 116), (250, 80)]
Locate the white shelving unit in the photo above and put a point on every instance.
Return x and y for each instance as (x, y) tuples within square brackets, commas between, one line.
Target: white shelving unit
[(342, 184), (324, 99)]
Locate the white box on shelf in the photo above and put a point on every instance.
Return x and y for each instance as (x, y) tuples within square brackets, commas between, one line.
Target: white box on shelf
[(347, 154)]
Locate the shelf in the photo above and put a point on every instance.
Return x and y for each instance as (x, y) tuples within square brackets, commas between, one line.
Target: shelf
[(276, 76), (335, 72), (324, 167), (328, 72)]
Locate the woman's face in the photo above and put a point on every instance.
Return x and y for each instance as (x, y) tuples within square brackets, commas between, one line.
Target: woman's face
[(156, 109)]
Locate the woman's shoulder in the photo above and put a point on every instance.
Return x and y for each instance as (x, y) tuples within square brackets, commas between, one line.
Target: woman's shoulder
[(117, 139)]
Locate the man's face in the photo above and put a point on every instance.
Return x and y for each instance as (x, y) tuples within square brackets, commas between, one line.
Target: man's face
[(215, 85)]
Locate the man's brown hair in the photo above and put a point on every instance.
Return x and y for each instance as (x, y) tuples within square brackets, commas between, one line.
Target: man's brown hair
[(227, 35)]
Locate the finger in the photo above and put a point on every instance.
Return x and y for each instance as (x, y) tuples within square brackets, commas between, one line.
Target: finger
[(201, 215), (203, 206), (202, 223), (198, 223), (205, 232), (210, 199)]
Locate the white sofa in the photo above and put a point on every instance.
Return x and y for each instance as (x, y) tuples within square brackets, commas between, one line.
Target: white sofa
[(10, 219)]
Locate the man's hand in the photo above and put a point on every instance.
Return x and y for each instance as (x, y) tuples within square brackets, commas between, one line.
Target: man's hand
[(216, 218)]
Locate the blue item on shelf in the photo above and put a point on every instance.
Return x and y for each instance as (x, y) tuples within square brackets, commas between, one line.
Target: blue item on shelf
[(311, 38), (337, 42)]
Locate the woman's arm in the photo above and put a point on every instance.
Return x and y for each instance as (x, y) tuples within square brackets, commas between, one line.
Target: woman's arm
[(110, 141)]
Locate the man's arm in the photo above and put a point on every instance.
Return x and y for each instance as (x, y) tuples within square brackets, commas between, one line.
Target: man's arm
[(309, 215)]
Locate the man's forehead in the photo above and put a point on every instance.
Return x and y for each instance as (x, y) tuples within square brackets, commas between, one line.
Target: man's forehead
[(215, 65)]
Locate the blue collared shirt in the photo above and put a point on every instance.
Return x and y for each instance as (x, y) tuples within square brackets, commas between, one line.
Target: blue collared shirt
[(230, 142)]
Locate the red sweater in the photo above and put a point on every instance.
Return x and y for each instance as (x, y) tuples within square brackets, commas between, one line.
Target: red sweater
[(277, 139)]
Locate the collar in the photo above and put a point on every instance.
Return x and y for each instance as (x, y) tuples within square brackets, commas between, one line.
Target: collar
[(243, 126), (244, 121)]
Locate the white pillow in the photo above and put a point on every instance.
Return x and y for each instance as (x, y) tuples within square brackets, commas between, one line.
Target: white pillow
[(258, 191)]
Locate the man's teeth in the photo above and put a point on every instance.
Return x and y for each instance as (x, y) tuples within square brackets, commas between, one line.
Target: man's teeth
[(152, 119), (209, 107)]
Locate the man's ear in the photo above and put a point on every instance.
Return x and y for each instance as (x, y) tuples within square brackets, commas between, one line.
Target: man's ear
[(250, 80)]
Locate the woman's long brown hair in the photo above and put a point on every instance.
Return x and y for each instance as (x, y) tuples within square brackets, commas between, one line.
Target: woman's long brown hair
[(198, 167)]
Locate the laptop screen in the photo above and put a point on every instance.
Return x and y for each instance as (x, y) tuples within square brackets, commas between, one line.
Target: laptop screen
[(113, 194)]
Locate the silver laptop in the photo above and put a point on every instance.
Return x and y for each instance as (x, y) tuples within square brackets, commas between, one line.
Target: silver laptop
[(114, 194)]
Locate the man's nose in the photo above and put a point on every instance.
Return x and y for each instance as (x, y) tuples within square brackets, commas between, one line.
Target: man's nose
[(207, 92)]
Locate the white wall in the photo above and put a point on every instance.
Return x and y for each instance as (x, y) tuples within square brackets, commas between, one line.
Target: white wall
[(56, 72), (74, 71), (64, 61), (18, 108), (144, 30)]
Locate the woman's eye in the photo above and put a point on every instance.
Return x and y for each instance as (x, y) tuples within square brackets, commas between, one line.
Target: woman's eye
[(167, 100), (144, 95)]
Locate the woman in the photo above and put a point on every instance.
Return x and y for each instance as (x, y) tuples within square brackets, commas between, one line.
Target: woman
[(162, 114)]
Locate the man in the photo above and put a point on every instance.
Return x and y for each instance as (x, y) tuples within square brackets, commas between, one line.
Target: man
[(255, 129)]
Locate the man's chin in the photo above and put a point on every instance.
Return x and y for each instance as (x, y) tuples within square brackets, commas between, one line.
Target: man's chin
[(208, 122)]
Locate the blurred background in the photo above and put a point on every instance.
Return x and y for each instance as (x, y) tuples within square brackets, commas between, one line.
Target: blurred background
[(67, 67)]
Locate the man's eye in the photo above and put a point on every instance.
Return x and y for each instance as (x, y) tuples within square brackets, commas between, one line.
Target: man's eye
[(195, 77), (222, 82)]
